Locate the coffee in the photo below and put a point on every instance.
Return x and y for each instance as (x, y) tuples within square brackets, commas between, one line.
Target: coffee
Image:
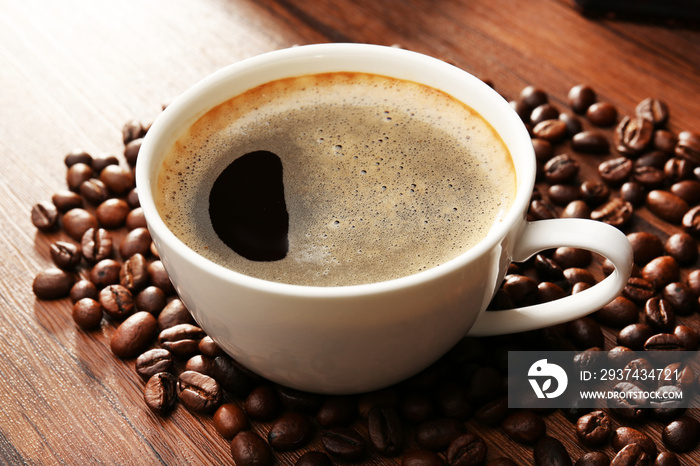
[(368, 178)]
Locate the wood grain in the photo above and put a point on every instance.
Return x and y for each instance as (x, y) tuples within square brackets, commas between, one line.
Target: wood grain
[(73, 72)]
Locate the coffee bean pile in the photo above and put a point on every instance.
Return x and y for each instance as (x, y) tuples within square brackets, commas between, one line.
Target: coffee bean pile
[(648, 180)]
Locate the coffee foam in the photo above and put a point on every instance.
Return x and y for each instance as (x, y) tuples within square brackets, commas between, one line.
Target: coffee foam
[(383, 178)]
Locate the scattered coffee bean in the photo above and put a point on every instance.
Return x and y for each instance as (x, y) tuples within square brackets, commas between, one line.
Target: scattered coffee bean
[(615, 171), (385, 430), (66, 200), (262, 404), (682, 434), (659, 314), (52, 283), (117, 301), (653, 110), (688, 146), (549, 451), (615, 212), (561, 169), (134, 335), (623, 436), (667, 206), (76, 174), (465, 450), (198, 392), (77, 221), (602, 114), (229, 419), (65, 255), (593, 458), (96, 245), (631, 455), (422, 458), (87, 313), (590, 142), (343, 443), (153, 361), (181, 339), (77, 156), (661, 271), (437, 434), (249, 449), (119, 180), (524, 427), (160, 392), (105, 273), (45, 216), (93, 191), (151, 299), (594, 428), (290, 431), (633, 135), (134, 273), (112, 213), (634, 336), (83, 289), (580, 97)]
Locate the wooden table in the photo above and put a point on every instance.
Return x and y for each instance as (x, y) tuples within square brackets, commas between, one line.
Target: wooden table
[(72, 73)]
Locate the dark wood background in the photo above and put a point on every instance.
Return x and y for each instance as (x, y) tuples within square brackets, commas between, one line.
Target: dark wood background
[(73, 72)]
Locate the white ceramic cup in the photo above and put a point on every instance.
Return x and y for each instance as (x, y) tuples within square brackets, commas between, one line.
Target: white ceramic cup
[(363, 337)]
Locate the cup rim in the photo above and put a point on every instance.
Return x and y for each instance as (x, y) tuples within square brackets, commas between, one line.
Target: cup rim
[(189, 106)]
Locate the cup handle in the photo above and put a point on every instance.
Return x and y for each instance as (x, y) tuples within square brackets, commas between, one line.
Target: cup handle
[(537, 236)]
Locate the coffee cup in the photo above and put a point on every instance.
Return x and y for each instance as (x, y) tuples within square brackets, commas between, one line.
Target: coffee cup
[(361, 337)]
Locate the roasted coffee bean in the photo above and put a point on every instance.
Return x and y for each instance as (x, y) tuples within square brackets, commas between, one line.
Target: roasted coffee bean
[(602, 114), (655, 158), (160, 392), (421, 458), (615, 171), (682, 247), (561, 169), (134, 335), (77, 156), (437, 434), (493, 412), (661, 271), (524, 426), (533, 96), (688, 190), (262, 404), (298, 400), (66, 200), (573, 124), (451, 400), (137, 241), (229, 419), (593, 458), (135, 219), (562, 194), (337, 411), (649, 177), (645, 246), (634, 336), (659, 314), (45, 216), (83, 289), (236, 380), (385, 430), (576, 209), (553, 130), (249, 449), (678, 374), (105, 272), (543, 149), (87, 313), (691, 221), (667, 458), (667, 405), (594, 192), (547, 291), (638, 290), (632, 455), (502, 461), (589, 359), (153, 361), (633, 192), (543, 112), (633, 135), (521, 288), (590, 142), (99, 163), (615, 212), (77, 221), (343, 443), (628, 402), (52, 283), (96, 245), (688, 146), (119, 180), (682, 434), (585, 332), (290, 431), (208, 347), (578, 275), (676, 169), (522, 109), (200, 363), (93, 191), (117, 301), (150, 299), (664, 140), (594, 428), (579, 287), (76, 174), (580, 97), (653, 110), (620, 356), (134, 273), (663, 342), (467, 450), (159, 277), (112, 213), (641, 366), (542, 210), (131, 151), (174, 313), (198, 392), (131, 130), (181, 339), (547, 269), (133, 198), (65, 255), (688, 336), (549, 451), (667, 206)]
